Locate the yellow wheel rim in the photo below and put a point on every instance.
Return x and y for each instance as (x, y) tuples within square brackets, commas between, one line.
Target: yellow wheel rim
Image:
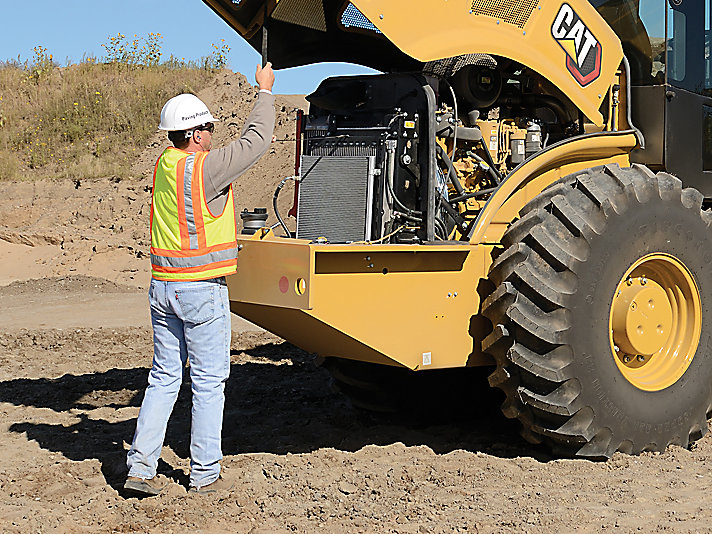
[(655, 322)]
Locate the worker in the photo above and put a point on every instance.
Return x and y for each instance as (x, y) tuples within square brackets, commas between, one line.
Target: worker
[(193, 248)]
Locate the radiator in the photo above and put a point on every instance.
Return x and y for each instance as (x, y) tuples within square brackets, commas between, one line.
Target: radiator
[(336, 198)]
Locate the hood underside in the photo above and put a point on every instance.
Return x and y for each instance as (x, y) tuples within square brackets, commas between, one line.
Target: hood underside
[(302, 32)]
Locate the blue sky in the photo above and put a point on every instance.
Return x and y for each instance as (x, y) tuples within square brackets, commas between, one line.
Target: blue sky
[(70, 29)]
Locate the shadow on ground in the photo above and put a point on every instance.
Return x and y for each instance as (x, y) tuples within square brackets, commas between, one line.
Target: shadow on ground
[(277, 401)]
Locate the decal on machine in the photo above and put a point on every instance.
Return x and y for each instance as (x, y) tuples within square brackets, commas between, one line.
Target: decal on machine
[(583, 51)]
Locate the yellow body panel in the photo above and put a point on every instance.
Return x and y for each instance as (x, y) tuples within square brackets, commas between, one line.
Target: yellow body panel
[(357, 294), (442, 29)]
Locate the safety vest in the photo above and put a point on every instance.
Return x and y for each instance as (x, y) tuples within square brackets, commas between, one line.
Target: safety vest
[(187, 241)]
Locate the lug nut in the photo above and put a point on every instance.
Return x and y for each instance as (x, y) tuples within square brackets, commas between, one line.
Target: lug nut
[(629, 281), (626, 359), (643, 281), (616, 348), (641, 358)]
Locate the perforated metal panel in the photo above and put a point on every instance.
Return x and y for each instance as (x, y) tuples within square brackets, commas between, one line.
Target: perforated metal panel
[(307, 13), (335, 198), (353, 18), (515, 12), (449, 66)]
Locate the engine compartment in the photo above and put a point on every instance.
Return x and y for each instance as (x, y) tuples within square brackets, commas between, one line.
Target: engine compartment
[(413, 157)]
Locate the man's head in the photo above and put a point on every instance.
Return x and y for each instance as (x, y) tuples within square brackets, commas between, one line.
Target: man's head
[(188, 122)]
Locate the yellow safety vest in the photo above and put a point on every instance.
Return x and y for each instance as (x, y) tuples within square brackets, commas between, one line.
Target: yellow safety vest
[(187, 241)]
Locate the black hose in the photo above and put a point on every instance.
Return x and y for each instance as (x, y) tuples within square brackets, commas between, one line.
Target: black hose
[(473, 195), (490, 169), (488, 159), (274, 204), (441, 227), (400, 204), (629, 110), (451, 174), (454, 215)]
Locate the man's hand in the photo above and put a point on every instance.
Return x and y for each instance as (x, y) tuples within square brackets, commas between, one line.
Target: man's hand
[(265, 76)]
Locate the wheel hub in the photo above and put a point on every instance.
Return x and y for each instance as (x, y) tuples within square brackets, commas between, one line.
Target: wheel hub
[(655, 322), (642, 317)]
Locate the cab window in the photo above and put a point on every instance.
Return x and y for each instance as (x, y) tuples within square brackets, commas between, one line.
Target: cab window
[(640, 25)]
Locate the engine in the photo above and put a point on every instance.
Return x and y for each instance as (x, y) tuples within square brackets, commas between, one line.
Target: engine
[(412, 158)]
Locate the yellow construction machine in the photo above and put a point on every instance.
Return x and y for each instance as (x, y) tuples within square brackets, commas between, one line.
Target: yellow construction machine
[(525, 187)]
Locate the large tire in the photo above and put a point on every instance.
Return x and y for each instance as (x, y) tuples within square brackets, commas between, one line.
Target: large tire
[(563, 265)]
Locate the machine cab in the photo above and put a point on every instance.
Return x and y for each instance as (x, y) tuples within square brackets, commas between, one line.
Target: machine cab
[(667, 43)]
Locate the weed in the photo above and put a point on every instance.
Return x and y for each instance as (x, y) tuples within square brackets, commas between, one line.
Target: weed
[(138, 52), (41, 66), (218, 58)]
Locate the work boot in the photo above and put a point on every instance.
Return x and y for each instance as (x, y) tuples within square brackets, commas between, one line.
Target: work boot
[(219, 485), (144, 486)]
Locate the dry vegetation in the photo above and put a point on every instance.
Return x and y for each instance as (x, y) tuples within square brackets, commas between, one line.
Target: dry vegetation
[(89, 120)]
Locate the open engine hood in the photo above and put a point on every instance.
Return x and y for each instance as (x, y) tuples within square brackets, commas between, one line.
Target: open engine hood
[(301, 32), (403, 35)]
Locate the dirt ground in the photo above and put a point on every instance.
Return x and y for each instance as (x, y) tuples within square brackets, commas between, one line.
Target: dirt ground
[(75, 347)]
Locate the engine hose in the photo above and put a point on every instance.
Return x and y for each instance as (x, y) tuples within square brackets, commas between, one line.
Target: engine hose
[(451, 174), (274, 204), (409, 218), (474, 195), (629, 111), (402, 206), (490, 169), (488, 159), (454, 215), (441, 227)]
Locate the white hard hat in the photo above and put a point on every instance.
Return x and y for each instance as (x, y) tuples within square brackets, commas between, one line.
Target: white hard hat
[(184, 112)]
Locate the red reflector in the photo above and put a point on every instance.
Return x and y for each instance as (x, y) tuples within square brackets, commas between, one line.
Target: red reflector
[(284, 284)]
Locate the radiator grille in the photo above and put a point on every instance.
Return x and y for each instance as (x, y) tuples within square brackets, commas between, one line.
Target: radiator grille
[(353, 18), (335, 198), (318, 144), (515, 12), (345, 149)]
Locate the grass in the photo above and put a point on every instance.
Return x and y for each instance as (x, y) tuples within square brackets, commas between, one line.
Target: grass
[(90, 119)]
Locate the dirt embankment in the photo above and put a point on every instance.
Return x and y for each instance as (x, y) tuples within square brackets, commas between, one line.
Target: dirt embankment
[(100, 227), (73, 267)]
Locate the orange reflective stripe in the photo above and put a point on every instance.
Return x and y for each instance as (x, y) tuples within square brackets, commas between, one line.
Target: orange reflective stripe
[(182, 222), (192, 253), (202, 268)]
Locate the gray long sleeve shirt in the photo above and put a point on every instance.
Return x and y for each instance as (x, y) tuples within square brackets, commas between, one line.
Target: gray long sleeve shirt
[(223, 166)]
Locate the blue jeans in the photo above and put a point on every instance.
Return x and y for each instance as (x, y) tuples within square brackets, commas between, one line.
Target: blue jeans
[(191, 322)]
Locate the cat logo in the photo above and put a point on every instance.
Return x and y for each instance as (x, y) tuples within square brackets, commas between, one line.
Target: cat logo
[(583, 51)]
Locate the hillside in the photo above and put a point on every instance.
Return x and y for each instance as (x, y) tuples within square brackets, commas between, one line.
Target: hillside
[(98, 226)]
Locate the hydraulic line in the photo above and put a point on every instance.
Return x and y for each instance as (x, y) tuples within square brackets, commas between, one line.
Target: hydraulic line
[(274, 204), (475, 194), (451, 174), (638, 133), (389, 179), (490, 162), (454, 215), (439, 225)]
